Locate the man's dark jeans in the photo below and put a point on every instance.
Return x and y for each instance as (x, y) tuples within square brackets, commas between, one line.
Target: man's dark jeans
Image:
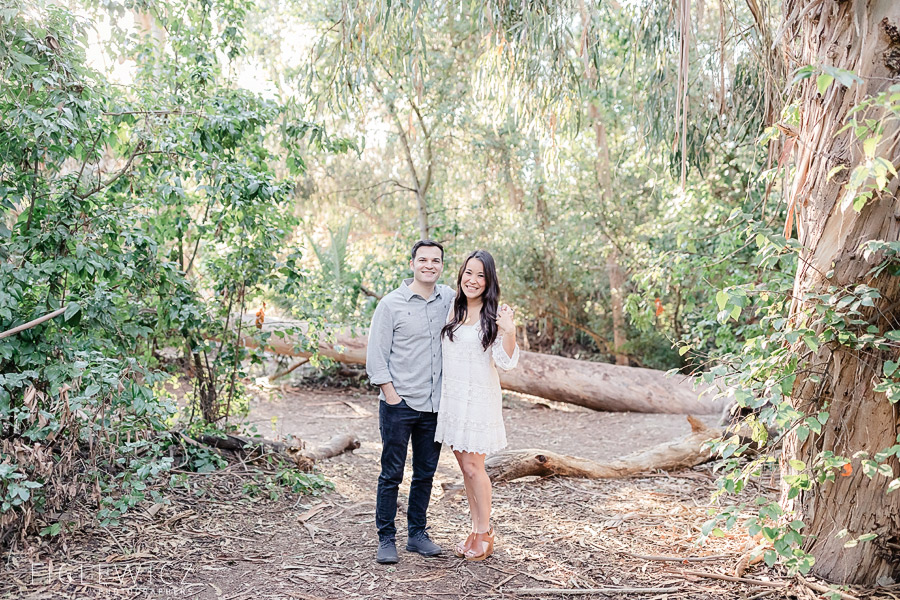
[(399, 424)]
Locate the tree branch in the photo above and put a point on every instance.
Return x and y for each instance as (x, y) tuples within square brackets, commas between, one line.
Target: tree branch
[(404, 142), (33, 323), (429, 160), (101, 185), (150, 112)]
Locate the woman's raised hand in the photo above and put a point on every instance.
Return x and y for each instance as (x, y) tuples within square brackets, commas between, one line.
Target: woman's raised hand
[(505, 321)]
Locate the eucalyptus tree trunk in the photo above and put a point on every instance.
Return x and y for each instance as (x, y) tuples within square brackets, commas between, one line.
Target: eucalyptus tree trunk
[(616, 298), (859, 36), (604, 182), (613, 270), (420, 179)]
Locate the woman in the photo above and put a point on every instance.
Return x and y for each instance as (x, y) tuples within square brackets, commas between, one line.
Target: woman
[(477, 338)]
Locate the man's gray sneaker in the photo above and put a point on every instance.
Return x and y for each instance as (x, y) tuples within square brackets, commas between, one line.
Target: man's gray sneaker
[(387, 552), (422, 544)]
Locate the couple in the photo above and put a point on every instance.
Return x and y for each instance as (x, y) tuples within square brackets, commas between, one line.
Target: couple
[(433, 353)]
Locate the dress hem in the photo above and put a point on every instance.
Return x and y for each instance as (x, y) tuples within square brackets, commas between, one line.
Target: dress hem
[(485, 451)]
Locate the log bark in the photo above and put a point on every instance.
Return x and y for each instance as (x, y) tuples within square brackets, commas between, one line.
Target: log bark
[(594, 385), (671, 456), (303, 458), (860, 36)]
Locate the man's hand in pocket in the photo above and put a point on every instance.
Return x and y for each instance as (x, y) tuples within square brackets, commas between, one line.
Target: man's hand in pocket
[(390, 394)]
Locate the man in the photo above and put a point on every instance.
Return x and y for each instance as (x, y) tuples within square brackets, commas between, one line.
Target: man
[(403, 358)]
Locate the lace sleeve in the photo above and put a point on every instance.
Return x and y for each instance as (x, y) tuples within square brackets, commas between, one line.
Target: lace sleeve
[(501, 359)]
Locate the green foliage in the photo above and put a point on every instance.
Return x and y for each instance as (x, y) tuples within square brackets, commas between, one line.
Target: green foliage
[(166, 211), (788, 339), (287, 480), (149, 215)]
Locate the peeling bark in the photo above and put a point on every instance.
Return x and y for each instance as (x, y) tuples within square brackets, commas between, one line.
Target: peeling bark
[(854, 35)]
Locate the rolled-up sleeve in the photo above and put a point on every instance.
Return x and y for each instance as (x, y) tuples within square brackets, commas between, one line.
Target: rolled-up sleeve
[(378, 349), (501, 358)]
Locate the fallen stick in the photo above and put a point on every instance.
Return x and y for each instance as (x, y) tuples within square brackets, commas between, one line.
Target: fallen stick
[(677, 558), (304, 459), (586, 591), (289, 370), (336, 445), (33, 322), (824, 589), (747, 580), (680, 454), (504, 581), (762, 594)]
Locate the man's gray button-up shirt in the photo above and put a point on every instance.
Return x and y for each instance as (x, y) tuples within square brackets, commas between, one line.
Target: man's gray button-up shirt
[(405, 344)]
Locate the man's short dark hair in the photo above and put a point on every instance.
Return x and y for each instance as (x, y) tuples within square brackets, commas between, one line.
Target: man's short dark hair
[(421, 243)]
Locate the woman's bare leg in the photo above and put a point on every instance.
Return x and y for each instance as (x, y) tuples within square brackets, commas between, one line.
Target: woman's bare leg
[(460, 458), (478, 490)]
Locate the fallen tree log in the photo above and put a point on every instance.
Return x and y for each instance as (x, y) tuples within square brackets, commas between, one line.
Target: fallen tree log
[(599, 386), (303, 458), (679, 454), (333, 447)]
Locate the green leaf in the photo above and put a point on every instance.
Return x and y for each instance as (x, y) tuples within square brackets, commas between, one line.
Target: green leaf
[(721, 299), (797, 464), (71, 310), (868, 537), (22, 58), (834, 171), (889, 368), (823, 81), (811, 342), (870, 145), (845, 77), (803, 73)]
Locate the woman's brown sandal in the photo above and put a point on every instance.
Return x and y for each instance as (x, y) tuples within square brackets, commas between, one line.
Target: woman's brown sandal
[(463, 547), (482, 538)]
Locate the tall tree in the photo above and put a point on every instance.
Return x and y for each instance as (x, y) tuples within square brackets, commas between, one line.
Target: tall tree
[(833, 222)]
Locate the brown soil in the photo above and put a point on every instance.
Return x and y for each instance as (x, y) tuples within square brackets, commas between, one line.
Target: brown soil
[(219, 541)]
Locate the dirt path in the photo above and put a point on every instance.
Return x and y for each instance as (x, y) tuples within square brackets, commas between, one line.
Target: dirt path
[(553, 533), (219, 540)]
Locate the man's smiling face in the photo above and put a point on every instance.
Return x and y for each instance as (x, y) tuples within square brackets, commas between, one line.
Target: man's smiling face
[(428, 265)]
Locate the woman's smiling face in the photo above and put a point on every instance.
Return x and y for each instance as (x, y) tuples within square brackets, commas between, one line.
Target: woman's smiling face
[(473, 279)]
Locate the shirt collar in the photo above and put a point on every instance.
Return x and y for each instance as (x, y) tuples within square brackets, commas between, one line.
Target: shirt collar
[(408, 293)]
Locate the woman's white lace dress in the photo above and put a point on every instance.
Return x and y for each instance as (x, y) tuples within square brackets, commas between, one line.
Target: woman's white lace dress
[(469, 417)]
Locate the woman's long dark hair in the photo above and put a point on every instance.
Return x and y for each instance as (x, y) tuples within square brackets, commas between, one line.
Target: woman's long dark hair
[(490, 298)]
